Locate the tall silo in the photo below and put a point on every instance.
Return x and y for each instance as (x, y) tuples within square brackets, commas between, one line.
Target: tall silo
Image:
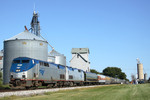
[(140, 70), (25, 44)]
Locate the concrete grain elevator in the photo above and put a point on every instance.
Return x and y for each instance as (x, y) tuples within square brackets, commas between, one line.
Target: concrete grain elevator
[(140, 70)]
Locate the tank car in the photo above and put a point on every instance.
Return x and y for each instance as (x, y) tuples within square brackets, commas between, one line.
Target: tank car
[(91, 78)]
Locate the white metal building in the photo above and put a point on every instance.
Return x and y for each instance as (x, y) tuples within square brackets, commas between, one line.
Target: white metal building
[(80, 59)]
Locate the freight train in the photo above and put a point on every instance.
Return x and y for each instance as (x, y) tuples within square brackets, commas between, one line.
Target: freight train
[(27, 72)]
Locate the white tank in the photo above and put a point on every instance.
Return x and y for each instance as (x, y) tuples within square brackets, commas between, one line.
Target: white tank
[(60, 60), (57, 58), (140, 71), (24, 44)]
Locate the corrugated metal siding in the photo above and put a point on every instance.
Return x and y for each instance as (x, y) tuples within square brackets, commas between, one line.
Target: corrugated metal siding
[(57, 58), (23, 46), (78, 62)]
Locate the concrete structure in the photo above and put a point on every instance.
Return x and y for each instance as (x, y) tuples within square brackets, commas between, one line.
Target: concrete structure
[(1, 61), (140, 71), (57, 58), (25, 44), (80, 59), (145, 77)]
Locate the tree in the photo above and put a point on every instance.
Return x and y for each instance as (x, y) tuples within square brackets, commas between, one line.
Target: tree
[(94, 71), (114, 72)]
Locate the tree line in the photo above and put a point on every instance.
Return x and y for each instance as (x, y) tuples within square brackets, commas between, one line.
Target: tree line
[(114, 72)]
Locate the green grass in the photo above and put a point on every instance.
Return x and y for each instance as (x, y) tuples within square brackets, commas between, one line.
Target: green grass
[(114, 92), (4, 87), (1, 84)]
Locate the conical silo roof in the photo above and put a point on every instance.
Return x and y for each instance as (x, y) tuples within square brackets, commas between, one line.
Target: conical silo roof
[(55, 53), (25, 35)]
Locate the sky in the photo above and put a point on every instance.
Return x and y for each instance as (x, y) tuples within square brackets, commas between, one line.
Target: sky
[(115, 31)]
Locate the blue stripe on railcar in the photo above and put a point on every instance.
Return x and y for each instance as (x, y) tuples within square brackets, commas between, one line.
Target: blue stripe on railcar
[(57, 65), (61, 67)]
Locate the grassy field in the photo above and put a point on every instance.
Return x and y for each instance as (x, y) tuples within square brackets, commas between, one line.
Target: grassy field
[(114, 92)]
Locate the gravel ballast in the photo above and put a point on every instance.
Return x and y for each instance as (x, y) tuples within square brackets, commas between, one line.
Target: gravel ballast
[(39, 91)]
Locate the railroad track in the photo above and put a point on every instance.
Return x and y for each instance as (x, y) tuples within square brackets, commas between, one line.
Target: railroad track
[(20, 89), (9, 92)]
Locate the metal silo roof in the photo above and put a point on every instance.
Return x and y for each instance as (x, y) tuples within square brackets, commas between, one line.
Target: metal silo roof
[(55, 53), (25, 35)]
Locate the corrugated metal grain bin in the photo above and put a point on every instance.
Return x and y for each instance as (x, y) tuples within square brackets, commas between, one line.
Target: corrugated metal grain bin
[(24, 44), (57, 58)]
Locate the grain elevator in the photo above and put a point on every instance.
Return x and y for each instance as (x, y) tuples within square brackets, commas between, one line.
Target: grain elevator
[(24, 44), (80, 59)]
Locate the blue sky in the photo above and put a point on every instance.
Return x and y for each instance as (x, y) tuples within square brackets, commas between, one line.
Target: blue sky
[(116, 31)]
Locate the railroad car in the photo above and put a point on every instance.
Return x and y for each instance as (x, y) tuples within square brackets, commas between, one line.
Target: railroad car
[(74, 76), (101, 79), (108, 80), (91, 78)]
